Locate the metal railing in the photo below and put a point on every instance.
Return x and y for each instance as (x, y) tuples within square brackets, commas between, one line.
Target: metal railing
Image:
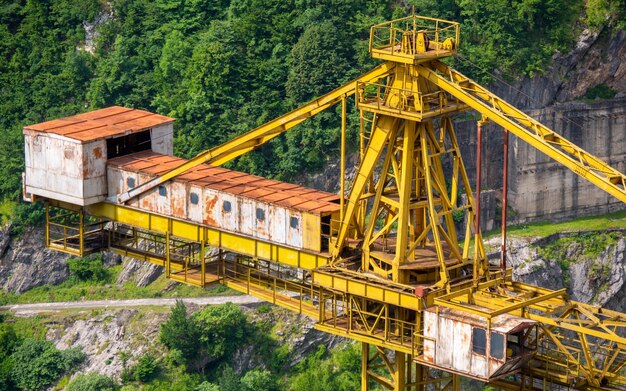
[(400, 36)]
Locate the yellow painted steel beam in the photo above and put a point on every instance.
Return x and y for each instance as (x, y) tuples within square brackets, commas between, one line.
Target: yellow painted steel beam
[(257, 137), (348, 283), (195, 232), (526, 128)]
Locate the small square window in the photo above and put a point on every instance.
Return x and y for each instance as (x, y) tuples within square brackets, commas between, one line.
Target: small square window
[(260, 214), (479, 340), (294, 222), (497, 346), (163, 191), (193, 197), (226, 206), (130, 182)]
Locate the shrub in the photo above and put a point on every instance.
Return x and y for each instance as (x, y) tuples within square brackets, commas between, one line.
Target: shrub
[(222, 329), (88, 268), (180, 332), (26, 215), (146, 368), (40, 364), (92, 381)]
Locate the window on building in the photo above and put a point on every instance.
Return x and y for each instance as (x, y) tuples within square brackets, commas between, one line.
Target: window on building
[(226, 206), (497, 346), (193, 198), (479, 341), (130, 143), (130, 182), (163, 191), (260, 214), (294, 222), (514, 344)]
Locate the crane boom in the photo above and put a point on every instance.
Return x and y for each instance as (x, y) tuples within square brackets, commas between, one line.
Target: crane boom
[(581, 162), (253, 139)]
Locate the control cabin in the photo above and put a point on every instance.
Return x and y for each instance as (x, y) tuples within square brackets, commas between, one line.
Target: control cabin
[(464, 343)]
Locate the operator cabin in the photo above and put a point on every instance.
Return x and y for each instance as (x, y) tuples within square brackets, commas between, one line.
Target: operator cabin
[(91, 157)]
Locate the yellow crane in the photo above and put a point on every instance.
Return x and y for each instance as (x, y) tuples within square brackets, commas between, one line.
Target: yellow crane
[(383, 264)]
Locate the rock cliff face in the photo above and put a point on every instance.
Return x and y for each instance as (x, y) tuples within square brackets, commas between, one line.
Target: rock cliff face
[(26, 263), (568, 260)]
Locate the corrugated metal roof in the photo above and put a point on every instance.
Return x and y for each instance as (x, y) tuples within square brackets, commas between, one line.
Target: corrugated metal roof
[(504, 323), (232, 182), (105, 123)]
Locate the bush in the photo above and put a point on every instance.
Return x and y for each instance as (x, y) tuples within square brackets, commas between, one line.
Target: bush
[(146, 368), (92, 381), (180, 332), (40, 364), (222, 329), (257, 380), (26, 215), (89, 268)]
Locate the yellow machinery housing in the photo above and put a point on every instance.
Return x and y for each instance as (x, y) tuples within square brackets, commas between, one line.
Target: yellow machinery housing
[(382, 265)]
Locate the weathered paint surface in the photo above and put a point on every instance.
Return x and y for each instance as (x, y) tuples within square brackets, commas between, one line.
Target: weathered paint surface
[(449, 345), (162, 139), (65, 169), (219, 209)]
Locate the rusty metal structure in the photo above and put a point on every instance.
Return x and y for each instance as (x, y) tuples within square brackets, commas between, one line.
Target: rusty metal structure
[(382, 263)]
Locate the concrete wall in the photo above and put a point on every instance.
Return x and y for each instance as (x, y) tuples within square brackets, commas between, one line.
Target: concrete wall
[(539, 188)]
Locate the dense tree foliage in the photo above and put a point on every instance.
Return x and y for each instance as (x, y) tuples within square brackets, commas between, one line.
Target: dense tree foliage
[(223, 67)]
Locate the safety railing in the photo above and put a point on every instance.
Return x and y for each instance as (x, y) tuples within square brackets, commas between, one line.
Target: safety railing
[(414, 36), (73, 232), (405, 103)]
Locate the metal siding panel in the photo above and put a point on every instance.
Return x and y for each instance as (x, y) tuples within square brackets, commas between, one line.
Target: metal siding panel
[(179, 200), (147, 200), (211, 205), (294, 235), (479, 365), (445, 344), (431, 330), (162, 139), (246, 216), (279, 224), (115, 181), (163, 203), (462, 336), (261, 227), (229, 220), (311, 238), (194, 212)]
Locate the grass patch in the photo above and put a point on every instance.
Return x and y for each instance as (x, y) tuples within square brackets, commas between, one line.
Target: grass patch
[(7, 210), (546, 228)]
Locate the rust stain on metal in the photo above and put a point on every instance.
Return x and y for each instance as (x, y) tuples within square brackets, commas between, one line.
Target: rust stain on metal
[(209, 206), (105, 123), (233, 182), (97, 152)]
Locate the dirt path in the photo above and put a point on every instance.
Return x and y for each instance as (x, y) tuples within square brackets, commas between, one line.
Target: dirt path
[(162, 302)]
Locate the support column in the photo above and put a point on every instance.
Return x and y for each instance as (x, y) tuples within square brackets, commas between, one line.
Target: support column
[(505, 191), (365, 356)]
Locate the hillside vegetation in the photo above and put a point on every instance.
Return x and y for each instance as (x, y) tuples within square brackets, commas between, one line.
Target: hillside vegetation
[(224, 67)]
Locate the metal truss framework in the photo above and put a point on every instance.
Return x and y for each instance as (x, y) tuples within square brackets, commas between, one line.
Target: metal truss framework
[(396, 250)]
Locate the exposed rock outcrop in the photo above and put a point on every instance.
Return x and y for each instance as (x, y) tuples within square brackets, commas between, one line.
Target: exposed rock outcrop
[(26, 263), (140, 272), (598, 279)]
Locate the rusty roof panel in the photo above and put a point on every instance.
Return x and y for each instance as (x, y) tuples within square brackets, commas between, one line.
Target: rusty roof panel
[(232, 182), (105, 123)]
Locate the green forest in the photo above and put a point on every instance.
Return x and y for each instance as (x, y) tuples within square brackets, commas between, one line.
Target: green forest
[(222, 67)]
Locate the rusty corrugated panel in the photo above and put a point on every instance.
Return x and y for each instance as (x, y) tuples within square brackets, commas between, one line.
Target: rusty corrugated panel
[(232, 182), (105, 123)]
